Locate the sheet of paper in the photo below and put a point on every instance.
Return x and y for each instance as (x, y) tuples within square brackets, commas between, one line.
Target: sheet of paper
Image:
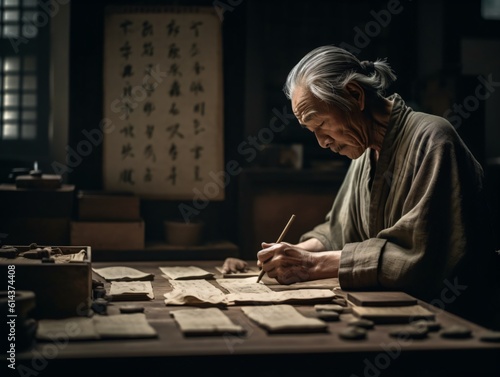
[(247, 290), (272, 283), (185, 273), (312, 284), (74, 328), (209, 321), (121, 273), (78, 257), (283, 319), (131, 290), (297, 296), (194, 292), (124, 326), (248, 285), (96, 327)]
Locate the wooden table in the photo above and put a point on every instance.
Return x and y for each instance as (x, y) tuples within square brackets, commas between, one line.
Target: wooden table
[(260, 353)]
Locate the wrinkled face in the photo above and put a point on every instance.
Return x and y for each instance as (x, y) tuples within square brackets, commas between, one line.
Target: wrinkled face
[(332, 128)]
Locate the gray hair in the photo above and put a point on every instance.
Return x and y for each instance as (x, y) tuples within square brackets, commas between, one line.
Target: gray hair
[(325, 72)]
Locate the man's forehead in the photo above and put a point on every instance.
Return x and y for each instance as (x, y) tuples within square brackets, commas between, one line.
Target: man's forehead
[(305, 105), (299, 96)]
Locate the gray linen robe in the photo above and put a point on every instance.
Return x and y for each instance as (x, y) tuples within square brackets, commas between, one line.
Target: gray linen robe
[(416, 220)]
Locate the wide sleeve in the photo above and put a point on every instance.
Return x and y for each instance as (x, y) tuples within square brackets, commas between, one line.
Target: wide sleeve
[(343, 219), (320, 232), (426, 227)]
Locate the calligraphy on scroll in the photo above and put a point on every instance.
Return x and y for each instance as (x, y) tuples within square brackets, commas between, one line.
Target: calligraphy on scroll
[(163, 94)]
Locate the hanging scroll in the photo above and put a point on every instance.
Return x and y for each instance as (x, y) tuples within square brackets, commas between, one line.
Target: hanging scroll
[(163, 124)]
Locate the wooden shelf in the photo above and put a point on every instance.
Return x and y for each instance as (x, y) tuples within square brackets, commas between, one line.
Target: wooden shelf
[(157, 250)]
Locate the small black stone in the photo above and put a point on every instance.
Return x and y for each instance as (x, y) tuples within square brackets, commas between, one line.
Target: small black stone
[(431, 325), (328, 315), (363, 323), (352, 333), (490, 336), (339, 301), (128, 309), (9, 252)]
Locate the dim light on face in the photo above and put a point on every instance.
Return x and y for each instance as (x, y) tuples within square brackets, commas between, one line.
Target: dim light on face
[(342, 134)]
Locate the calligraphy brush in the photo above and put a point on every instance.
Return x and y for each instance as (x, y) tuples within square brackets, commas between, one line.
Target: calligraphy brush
[(282, 235)]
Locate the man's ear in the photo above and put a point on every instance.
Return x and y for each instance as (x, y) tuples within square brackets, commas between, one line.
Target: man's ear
[(358, 94)]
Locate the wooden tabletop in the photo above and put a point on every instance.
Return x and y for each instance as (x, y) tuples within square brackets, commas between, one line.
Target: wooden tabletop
[(294, 354)]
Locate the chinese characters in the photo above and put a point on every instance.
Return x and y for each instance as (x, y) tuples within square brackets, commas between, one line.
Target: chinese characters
[(166, 100)]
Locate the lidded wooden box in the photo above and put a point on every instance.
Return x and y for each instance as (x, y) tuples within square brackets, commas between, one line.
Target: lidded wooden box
[(62, 285)]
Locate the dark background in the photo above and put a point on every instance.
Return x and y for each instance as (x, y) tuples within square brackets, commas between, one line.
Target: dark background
[(262, 41)]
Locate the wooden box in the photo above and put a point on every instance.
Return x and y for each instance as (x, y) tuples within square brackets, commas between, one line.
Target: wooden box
[(61, 289), (108, 206), (115, 235)]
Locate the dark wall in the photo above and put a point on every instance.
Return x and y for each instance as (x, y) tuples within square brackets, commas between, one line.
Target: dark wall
[(86, 107), (281, 32), (262, 40)]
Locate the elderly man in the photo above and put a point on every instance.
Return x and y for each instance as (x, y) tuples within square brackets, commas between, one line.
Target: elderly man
[(410, 214)]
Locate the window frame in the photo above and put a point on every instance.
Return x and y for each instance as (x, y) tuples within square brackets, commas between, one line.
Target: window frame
[(22, 47)]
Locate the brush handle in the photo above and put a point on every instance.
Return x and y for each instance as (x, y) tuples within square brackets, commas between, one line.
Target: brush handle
[(280, 238)]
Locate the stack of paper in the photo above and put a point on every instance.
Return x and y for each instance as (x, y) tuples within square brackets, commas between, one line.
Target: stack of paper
[(131, 290)]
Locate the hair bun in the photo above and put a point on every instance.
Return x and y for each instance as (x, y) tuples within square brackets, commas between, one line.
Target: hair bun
[(368, 67)]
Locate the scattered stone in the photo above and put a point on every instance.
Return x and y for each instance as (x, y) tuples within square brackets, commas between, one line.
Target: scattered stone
[(339, 301), (352, 333), (328, 315), (431, 325), (128, 309), (9, 252), (490, 336), (363, 323)]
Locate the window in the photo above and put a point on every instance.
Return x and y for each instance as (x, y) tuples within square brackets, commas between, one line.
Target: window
[(490, 9), (24, 77)]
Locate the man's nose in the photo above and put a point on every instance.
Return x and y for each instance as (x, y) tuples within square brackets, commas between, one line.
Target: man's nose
[(322, 140)]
